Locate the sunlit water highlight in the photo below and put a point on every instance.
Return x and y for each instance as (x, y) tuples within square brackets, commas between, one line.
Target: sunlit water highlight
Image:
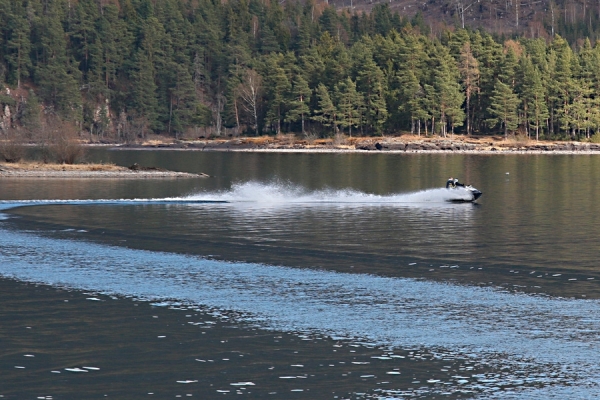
[(531, 333)]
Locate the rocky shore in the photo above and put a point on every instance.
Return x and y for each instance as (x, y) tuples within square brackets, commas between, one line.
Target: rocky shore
[(402, 144), (38, 170), (405, 144)]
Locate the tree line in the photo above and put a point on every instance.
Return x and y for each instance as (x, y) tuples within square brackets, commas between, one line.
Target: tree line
[(125, 68)]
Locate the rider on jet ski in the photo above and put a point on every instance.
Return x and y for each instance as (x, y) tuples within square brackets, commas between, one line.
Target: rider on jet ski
[(453, 183)]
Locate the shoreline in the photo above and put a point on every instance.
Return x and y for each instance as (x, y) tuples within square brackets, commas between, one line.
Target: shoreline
[(95, 171), (356, 151), (403, 145), (392, 145)]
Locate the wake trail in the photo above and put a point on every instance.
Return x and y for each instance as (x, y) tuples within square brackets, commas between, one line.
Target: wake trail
[(281, 193), (271, 194)]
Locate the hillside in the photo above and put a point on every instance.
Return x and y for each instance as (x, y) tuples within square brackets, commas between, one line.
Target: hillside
[(530, 18), (120, 70)]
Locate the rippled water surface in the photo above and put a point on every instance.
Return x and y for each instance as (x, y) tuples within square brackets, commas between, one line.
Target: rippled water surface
[(364, 252)]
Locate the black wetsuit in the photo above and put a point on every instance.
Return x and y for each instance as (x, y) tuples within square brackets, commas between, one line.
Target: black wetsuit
[(452, 183)]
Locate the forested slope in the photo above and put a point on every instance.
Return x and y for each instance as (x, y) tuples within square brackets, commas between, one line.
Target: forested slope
[(119, 69), (572, 19)]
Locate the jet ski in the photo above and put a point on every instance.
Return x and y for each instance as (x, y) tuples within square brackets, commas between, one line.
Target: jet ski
[(464, 194)]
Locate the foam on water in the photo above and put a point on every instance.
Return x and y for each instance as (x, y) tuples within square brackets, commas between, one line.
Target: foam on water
[(272, 194), (516, 330)]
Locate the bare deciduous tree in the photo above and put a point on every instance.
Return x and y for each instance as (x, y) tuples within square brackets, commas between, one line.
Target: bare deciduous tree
[(249, 91), (12, 145), (61, 142)]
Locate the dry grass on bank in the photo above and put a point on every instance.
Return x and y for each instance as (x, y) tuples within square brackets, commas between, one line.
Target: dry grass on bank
[(37, 166), (88, 171), (344, 141)]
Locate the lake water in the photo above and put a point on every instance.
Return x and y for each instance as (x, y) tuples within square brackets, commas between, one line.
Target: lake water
[(335, 275)]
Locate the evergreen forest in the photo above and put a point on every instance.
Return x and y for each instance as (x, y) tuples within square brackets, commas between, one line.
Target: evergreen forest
[(122, 69)]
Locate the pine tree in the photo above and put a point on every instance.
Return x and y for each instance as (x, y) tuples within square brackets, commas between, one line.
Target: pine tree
[(304, 36), (507, 71), (575, 116), (117, 43), (18, 44), (532, 92), (337, 66), (382, 18), (182, 101), (551, 90), (594, 114), (561, 84), (275, 18), (312, 66), (457, 41), (370, 82), (268, 41), (297, 104), (349, 105), (449, 97), (329, 21), (157, 45), (504, 108), (326, 112), (488, 53), (82, 31), (537, 50), (277, 85), (594, 68), (589, 81), (430, 109), (469, 71), (589, 61), (145, 99), (57, 73), (335, 59), (412, 95), (410, 60)]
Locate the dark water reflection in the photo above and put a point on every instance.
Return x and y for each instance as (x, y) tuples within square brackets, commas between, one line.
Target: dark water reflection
[(533, 231)]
